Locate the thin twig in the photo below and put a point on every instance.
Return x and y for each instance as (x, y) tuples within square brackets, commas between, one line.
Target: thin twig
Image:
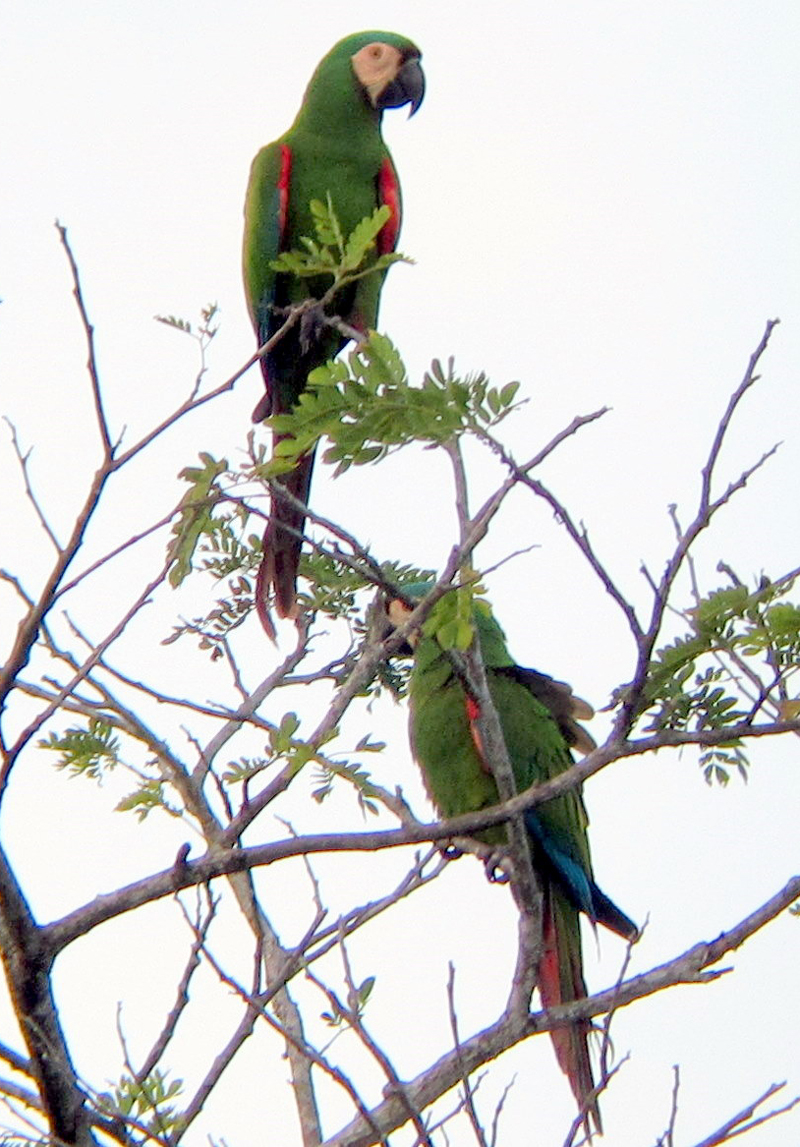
[(226, 1055), (31, 632), (467, 1093), (23, 464), (181, 995), (706, 509), (304, 1048), (743, 1122), (91, 364), (350, 1015), (522, 473), (667, 1139)]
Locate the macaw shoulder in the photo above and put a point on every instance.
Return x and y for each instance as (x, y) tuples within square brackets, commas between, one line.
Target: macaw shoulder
[(265, 216), (270, 175)]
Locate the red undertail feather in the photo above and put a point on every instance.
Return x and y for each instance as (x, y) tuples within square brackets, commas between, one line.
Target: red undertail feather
[(561, 982)]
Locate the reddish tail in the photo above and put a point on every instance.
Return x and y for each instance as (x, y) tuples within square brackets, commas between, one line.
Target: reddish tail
[(282, 544), (561, 982)]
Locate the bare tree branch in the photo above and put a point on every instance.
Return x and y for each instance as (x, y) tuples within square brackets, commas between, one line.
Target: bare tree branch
[(27, 970), (91, 364), (743, 1122), (467, 1088)]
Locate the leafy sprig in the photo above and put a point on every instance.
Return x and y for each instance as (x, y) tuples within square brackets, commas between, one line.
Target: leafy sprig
[(87, 750), (148, 1101), (367, 407), (343, 259), (739, 657)]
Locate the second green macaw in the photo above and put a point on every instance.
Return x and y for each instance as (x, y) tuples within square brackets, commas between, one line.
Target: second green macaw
[(334, 147), (538, 717)]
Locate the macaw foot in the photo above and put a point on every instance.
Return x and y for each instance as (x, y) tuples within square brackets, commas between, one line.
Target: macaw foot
[(450, 851), (496, 866), (311, 323)]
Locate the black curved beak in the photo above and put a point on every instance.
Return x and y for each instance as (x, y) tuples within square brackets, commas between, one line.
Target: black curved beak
[(408, 87)]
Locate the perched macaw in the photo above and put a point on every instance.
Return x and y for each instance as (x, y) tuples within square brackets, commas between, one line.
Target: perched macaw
[(333, 147), (538, 719)]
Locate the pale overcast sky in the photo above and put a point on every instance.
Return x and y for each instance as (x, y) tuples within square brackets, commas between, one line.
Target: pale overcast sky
[(602, 201)]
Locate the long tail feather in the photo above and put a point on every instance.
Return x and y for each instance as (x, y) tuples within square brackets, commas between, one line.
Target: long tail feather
[(261, 598), (282, 544), (571, 878), (610, 916), (560, 982)]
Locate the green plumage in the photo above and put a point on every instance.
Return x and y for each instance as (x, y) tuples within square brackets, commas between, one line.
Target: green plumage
[(334, 148), (537, 716), (456, 776)]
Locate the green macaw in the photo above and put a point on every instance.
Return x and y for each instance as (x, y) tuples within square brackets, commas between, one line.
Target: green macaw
[(538, 719), (333, 147)]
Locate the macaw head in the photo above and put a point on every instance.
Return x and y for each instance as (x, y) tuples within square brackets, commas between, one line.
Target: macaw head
[(386, 69), (392, 612), (389, 71)]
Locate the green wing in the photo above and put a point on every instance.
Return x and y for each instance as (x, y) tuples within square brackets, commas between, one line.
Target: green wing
[(334, 147), (537, 716), (264, 225)]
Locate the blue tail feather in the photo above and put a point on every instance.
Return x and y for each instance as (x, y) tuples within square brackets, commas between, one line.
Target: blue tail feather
[(573, 881), (567, 872)]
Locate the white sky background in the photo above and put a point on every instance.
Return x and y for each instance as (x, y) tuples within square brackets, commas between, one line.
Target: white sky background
[(602, 202)]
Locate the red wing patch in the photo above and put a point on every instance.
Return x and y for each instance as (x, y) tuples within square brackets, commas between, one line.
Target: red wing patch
[(283, 189), (473, 713), (389, 195)]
